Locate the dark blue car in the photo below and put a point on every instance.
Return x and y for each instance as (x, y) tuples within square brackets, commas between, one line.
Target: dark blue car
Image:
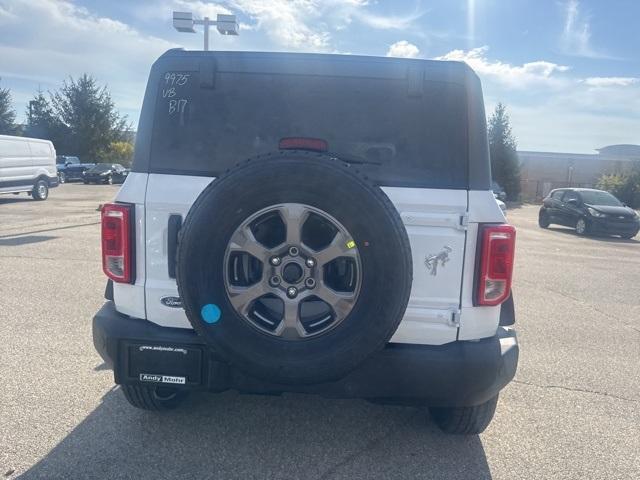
[(589, 212), (70, 168)]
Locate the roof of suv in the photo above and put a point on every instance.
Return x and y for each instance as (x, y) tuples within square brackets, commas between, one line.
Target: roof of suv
[(354, 65)]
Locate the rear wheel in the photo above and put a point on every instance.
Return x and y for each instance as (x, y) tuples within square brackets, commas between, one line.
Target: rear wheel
[(40, 190), (62, 178), (465, 420), (629, 236), (582, 227), (153, 398)]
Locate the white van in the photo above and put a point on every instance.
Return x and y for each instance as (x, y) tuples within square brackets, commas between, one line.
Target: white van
[(27, 165)]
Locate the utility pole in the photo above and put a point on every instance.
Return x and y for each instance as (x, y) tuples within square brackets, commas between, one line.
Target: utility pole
[(225, 24)]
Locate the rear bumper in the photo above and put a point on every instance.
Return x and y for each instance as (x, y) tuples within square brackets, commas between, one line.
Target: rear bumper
[(461, 373)]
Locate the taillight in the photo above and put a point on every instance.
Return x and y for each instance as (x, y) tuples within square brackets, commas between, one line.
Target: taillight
[(496, 264), (303, 143), (117, 242)]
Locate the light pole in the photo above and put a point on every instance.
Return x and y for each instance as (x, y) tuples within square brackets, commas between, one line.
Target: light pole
[(225, 24)]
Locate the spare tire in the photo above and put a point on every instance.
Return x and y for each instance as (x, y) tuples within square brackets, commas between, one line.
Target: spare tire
[(294, 268)]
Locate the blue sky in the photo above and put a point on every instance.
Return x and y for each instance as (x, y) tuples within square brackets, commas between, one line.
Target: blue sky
[(568, 70)]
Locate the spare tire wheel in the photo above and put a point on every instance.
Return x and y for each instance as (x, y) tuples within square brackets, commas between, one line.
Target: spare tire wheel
[(294, 268)]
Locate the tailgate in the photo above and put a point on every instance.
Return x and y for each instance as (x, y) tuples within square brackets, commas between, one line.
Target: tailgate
[(435, 220)]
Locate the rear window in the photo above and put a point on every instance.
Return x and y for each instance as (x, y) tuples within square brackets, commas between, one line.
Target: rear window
[(397, 138)]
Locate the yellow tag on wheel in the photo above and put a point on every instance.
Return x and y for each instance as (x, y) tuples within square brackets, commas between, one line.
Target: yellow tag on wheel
[(351, 244)]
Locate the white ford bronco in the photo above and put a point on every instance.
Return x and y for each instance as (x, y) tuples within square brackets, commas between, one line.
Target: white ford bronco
[(310, 223)]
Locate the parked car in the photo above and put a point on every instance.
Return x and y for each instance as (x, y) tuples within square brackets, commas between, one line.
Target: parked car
[(70, 168), (27, 165), (589, 211), (364, 257), (105, 173)]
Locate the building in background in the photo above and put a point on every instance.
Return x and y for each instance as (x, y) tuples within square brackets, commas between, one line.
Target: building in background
[(541, 172)]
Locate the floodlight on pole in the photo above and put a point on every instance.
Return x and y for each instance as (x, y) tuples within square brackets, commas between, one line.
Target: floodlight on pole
[(225, 24)]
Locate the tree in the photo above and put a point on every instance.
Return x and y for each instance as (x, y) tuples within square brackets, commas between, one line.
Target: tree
[(7, 113), (89, 122), (119, 152), (41, 122), (505, 165), (625, 186)]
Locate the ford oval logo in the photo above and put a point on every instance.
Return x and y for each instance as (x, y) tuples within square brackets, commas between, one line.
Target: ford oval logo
[(173, 302)]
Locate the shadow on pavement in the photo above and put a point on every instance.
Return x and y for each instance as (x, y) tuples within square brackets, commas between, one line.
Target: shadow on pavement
[(245, 436), (599, 238), (10, 198), (24, 240)]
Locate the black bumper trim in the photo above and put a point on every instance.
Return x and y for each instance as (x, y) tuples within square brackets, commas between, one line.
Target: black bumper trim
[(461, 373), (609, 227)]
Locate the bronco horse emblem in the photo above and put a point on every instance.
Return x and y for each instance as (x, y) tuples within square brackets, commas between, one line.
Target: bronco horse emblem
[(431, 261)]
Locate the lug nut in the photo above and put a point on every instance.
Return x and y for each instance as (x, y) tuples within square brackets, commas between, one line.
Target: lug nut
[(292, 292), (275, 261), (310, 282), (275, 281), (310, 262), (293, 251)]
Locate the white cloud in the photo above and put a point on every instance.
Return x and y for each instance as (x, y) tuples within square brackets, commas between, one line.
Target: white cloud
[(288, 23), (308, 25), (553, 110), (388, 22), (611, 81), (160, 10), (577, 31), (514, 76), (403, 49), (576, 34), (302, 25), (200, 9), (61, 39)]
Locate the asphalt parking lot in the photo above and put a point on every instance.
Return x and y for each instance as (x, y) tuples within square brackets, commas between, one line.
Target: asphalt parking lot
[(572, 412)]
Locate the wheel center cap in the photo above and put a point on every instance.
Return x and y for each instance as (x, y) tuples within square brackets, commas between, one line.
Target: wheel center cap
[(292, 272)]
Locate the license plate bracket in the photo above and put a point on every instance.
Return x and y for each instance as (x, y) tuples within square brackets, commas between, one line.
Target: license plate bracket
[(163, 364)]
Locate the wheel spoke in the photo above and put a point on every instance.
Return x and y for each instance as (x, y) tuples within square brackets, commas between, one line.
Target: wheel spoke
[(294, 215), (340, 302), (337, 248), (242, 297), (290, 327), (244, 240)]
